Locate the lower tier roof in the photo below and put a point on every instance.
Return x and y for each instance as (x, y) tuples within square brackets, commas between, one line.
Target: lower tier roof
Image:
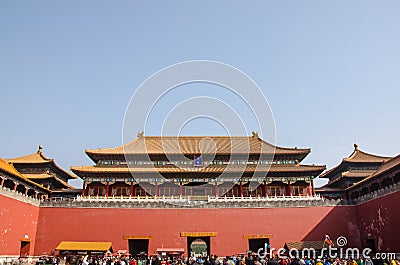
[(313, 170)]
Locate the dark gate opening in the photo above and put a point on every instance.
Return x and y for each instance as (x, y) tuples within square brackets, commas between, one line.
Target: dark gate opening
[(24, 249), (198, 246), (138, 247), (371, 244), (260, 243)]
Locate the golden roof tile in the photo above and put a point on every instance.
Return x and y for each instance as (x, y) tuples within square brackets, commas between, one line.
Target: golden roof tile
[(197, 145), (207, 169), (385, 167), (38, 158), (357, 156), (35, 158), (360, 156), (300, 245), (10, 169), (47, 176), (88, 246)]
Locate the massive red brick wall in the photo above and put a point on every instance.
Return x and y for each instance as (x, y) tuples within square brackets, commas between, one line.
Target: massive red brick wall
[(46, 227), (17, 219), (380, 219), (165, 225)]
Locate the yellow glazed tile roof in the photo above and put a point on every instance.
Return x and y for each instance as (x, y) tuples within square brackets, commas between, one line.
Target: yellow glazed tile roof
[(89, 246), (198, 144)]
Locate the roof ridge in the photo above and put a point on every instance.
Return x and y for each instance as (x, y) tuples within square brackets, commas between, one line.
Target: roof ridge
[(358, 151), (144, 138)]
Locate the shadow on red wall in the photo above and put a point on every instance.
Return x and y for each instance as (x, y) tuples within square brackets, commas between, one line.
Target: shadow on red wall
[(341, 221)]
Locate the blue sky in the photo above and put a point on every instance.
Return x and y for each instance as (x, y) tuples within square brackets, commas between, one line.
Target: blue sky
[(329, 69)]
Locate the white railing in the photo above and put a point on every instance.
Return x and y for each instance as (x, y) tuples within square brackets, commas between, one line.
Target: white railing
[(378, 193), (208, 198), (19, 196), (189, 201)]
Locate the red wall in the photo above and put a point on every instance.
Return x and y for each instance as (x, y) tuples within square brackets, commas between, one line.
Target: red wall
[(165, 225), (380, 219), (46, 227), (17, 219)]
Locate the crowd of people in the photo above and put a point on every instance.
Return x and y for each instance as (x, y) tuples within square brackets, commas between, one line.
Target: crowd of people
[(215, 260)]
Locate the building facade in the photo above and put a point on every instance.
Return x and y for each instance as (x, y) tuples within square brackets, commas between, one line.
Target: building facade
[(181, 203), (198, 167)]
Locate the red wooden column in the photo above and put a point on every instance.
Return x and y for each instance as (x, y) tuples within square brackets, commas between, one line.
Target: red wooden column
[(156, 189), (309, 189), (265, 189), (180, 189), (3, 179), (15, 186), (312, 187), (289, 189), (83, 188), (216, 189), (131, 190), (107, 188), (240, 189)]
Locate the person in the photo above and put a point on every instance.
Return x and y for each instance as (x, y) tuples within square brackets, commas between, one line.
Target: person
[(85, 260), (133, 262), (71, 260), (249, 259), (229, 261), (295, 262), (327, 262), (273, 261)]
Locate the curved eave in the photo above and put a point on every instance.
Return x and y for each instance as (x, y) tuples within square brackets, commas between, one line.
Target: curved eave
[(96, 155), (20, 176), (39, 158), (342, 167), (383, 169), (35, 158), (359, 156), (305, 169), (47, 176), (103, 152), (327, 190), (64, 172)]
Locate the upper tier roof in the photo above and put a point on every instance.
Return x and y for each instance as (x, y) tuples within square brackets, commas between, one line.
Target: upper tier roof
[(158, 145), (39, 158), (35, 158), (357, 156), (10, 169), (384, 168)]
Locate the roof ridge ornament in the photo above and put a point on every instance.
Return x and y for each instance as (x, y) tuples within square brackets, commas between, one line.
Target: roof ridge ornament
[(40, 149), (255, 134), (355, 147), (140, 134)]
